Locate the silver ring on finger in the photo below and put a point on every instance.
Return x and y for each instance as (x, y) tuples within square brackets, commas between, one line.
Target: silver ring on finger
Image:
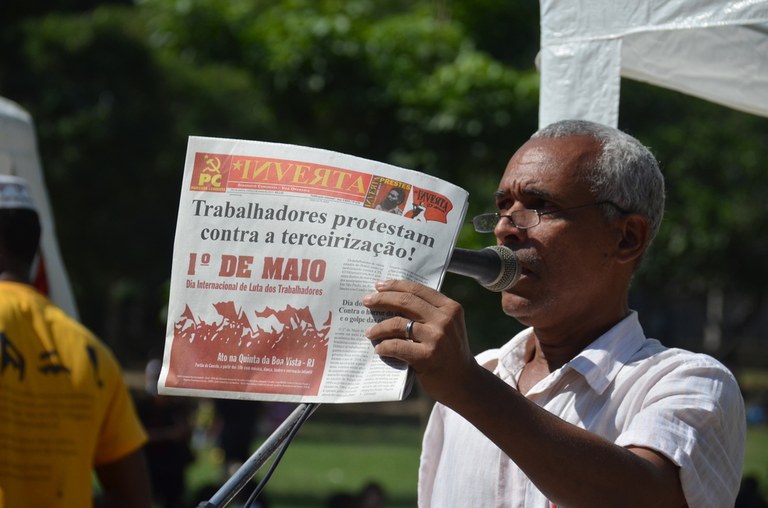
[(409, 329)]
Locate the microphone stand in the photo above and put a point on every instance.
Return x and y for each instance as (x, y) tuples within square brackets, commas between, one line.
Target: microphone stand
[(250, 467), (495, 268)]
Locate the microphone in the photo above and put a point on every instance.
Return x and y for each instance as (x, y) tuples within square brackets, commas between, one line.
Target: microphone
[(496, 268)]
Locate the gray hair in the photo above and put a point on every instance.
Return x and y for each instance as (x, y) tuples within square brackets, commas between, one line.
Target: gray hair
[(626, 173)]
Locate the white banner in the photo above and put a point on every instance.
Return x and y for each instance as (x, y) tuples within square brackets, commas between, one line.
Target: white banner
[(712, 49)]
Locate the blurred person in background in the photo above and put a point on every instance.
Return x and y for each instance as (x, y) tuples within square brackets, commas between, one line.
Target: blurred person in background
[(66, 411), (169, 425), (236, 427)]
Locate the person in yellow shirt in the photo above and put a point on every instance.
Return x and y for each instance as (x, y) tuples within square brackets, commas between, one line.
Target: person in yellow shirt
[(65, 411)]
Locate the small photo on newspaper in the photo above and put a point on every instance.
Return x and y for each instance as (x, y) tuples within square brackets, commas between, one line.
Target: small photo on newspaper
[(275, 247)]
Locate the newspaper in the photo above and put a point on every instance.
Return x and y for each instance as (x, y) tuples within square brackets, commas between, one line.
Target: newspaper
[(275, 247)]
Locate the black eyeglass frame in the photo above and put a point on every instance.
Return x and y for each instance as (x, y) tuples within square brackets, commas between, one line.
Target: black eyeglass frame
[(527, 212)]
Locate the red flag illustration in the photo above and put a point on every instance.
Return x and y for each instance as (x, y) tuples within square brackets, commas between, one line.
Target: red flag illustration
[(226, 310), (188, 313), (429, 206)]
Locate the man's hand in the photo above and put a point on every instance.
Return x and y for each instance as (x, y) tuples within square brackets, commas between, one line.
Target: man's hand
[(437, 350)]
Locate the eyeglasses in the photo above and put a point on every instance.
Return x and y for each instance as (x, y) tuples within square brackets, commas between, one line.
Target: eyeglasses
[(525, 218)]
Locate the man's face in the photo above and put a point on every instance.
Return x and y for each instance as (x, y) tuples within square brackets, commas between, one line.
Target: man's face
[(565, 258), (393, 197)]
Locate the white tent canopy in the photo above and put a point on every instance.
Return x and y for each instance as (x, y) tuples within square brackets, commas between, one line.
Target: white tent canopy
[(712, 49), (19, 156)]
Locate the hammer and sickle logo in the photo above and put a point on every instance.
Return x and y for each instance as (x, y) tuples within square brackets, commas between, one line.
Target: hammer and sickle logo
[(211, 172)]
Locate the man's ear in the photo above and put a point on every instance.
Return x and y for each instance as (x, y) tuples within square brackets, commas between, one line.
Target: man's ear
[(634, 238)]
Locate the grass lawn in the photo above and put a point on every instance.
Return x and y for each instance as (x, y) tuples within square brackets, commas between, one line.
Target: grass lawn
[(756, 456), (328, 457), (342, 455)]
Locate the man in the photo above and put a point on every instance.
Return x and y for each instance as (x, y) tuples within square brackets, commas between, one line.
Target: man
[(391, 202), (65, 410), (580, 409), (169, 424)]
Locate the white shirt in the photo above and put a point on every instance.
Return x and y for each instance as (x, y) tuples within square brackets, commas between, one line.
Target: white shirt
[(624, 387)]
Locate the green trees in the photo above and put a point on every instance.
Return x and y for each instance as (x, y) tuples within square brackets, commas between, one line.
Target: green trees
[(448, 88)]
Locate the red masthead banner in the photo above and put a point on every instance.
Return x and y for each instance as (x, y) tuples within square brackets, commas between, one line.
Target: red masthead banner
[(220, 173)]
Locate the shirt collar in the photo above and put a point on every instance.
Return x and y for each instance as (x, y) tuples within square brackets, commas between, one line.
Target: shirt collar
[(599, 362)]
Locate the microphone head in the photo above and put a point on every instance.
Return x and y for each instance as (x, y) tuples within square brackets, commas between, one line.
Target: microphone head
[(509, 273)]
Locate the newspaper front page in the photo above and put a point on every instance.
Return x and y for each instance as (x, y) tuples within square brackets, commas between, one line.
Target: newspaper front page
[(275, 247)]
